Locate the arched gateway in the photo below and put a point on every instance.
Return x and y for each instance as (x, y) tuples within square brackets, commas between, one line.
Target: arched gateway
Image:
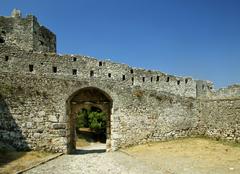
[(36, 83), (83, 99)]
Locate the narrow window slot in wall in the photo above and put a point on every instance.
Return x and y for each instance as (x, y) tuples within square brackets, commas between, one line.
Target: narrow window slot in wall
[(143, 79), (74, 71), (186, 81), (6, 58), (123, 77), (54, 69), (203, 86), (151, 79), (131, 71), (30, 68), (178, 82), (2, 40), (168, 78), (157, 78), (109, 74), (74, 59), (100, 63), (132, 80), (91, 73)]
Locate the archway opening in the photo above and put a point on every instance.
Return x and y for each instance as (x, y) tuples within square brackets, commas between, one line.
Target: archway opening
[(91, 124), (89, 119)]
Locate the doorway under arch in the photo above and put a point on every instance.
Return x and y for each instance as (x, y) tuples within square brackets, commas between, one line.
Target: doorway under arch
[(86, 98)]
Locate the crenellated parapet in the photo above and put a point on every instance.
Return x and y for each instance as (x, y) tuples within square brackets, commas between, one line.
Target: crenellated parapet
[(86, 68)]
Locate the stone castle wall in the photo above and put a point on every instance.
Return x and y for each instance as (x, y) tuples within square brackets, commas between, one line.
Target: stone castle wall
[(220, 114), (17, 31), (27, 34), (36, 115), (221, 119), (35, 95), (81, 67), (36, 90)]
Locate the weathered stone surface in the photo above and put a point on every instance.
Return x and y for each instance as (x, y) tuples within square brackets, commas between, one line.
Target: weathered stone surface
[(39, 92), (53, 118), (26, 33), (220, 117)]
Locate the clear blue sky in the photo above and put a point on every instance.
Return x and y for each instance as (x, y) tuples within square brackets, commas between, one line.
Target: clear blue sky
[(198, 38)]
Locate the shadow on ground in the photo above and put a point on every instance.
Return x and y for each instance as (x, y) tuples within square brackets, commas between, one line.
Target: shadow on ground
[(89, 142), (83, 151), (8, 155), (90, 136)]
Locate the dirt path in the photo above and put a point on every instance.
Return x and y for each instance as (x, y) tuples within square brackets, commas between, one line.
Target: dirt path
[(188, 156), (93, 160)]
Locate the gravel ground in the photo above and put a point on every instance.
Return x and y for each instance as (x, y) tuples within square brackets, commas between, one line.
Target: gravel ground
[(93, 160)]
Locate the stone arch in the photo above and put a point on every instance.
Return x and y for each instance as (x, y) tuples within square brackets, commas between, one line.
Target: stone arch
[(84, 98)]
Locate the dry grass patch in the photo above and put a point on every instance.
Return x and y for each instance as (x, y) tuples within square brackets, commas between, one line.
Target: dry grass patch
[(190, 155), (12, 161), (81, 142)]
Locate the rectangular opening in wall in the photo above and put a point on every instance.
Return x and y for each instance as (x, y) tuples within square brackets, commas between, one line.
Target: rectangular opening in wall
[(100, 63), (54, 69), (1, 40), (74, 59), (168, 78), (123, 77), (30, 68), (6, 58), (178, 82), (74, 71), (143, 79), (131, 71), (186, 81), (132, 80), (151, 79), (91, 73), (157, 78), (109, 74)]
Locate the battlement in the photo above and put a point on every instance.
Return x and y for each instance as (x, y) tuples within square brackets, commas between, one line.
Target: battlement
[(87, 68), (26, 33)]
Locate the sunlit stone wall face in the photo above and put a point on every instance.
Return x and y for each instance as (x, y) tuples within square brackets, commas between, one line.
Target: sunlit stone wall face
[(37, 86), (26, 33), (36, 89)]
